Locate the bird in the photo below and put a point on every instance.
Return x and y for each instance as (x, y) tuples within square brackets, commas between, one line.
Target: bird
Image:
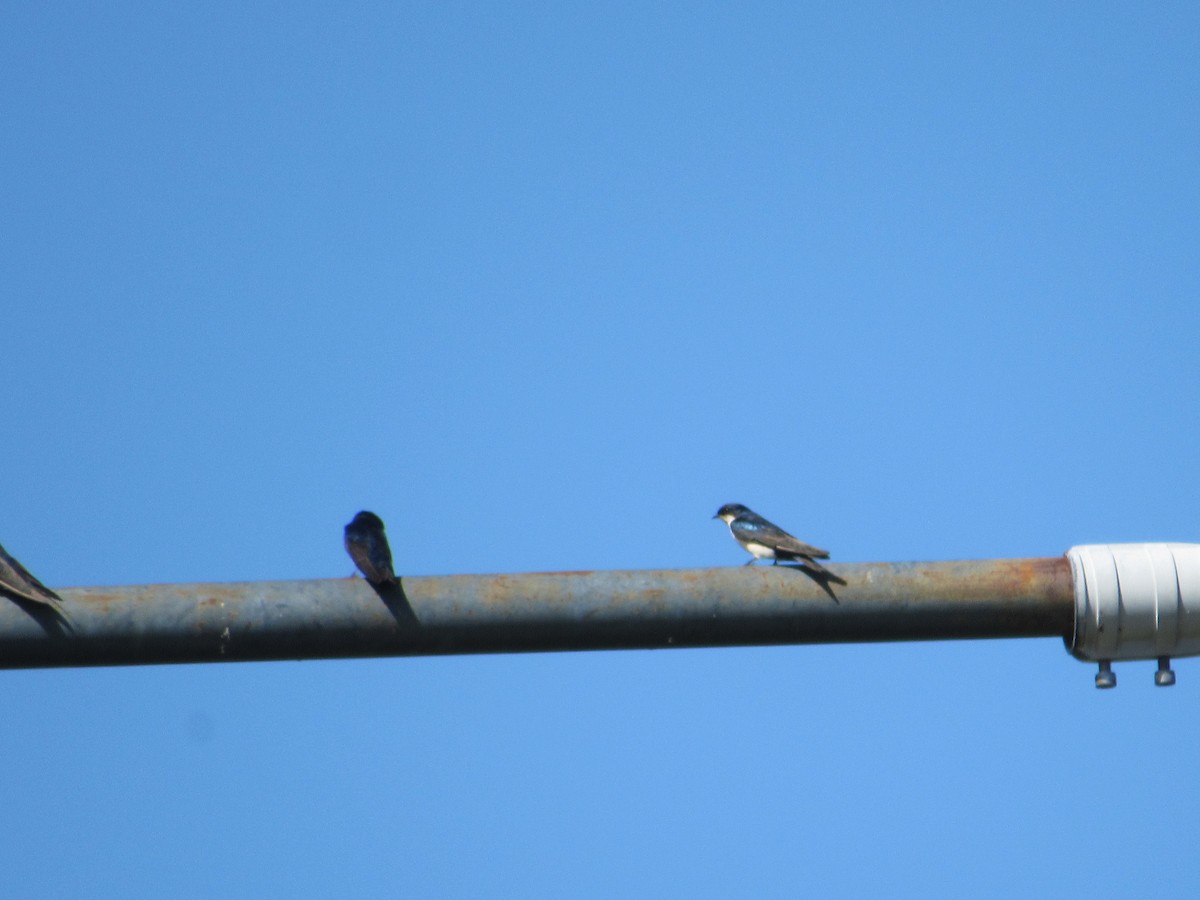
[(17, 582), (766, 540), (367, 544)]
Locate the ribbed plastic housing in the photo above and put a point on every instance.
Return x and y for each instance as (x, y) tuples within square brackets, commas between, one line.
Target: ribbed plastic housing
[(1135, 601)]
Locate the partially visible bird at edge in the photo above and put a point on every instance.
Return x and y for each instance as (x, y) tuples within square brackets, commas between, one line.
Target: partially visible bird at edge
[(766, 540), (367, 544), (17, 582)]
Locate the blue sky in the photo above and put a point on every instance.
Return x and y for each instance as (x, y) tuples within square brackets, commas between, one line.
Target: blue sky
[(544, 285)]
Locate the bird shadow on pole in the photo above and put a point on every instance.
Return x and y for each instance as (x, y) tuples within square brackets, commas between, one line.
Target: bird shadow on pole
[(52, 620), (393, 597), (822, 578)]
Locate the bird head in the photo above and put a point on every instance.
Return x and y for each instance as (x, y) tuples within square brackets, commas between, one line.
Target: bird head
[(366, 520), (730, 511)]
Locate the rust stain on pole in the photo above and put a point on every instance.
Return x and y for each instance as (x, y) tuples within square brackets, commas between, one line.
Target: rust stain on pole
[(545, 611)]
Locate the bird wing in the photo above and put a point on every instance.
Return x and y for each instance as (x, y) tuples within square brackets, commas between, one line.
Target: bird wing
[(382, 554), (18, 580), (372, 555), (754, 528)]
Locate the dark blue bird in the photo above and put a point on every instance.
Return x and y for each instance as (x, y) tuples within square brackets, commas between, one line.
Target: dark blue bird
[(367, 544), (765, 540)]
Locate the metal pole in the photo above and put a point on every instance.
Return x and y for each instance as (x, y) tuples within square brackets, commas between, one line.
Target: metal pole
[(187, 623)]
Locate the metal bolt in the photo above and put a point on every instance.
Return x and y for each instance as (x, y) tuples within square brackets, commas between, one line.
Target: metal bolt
[(1106, 678), (1164, 677)]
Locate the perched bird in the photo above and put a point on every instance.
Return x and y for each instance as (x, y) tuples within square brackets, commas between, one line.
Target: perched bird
[(367, 545), (765, 540), (15, 581)]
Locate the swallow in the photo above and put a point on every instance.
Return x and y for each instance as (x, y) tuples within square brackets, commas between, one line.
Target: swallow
[(18, 583), (367, 544), (765, 540)]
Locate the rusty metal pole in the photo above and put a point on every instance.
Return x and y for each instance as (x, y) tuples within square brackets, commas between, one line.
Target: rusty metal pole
[(187, 623)]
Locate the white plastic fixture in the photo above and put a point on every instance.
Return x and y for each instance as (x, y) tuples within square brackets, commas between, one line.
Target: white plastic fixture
[(1135, 601)]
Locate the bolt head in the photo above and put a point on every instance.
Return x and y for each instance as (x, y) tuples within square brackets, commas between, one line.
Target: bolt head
[(1164, 678)]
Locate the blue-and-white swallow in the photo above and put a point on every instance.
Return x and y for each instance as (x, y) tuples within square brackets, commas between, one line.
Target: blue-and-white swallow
[(367, 544), (765, 540), (16, 581)]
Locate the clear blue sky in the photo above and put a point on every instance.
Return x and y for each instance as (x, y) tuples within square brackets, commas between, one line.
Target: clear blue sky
[(537, 281)]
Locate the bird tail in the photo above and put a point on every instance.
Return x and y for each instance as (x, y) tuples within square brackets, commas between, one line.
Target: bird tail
[(40, 594)]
